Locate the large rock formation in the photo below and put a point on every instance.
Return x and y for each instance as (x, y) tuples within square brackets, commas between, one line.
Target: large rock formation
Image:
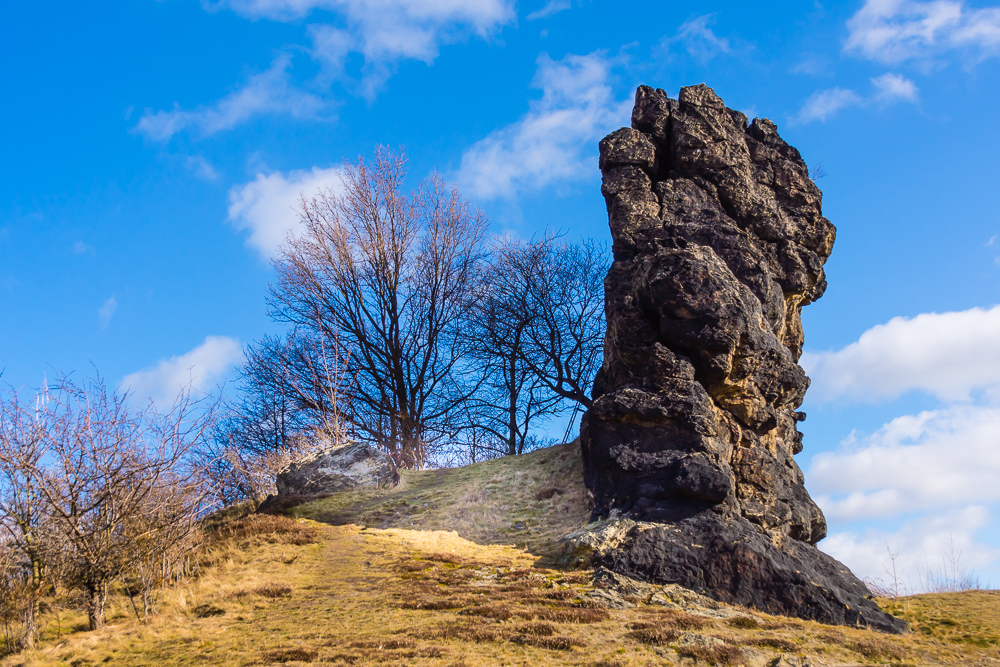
[(719, 241)]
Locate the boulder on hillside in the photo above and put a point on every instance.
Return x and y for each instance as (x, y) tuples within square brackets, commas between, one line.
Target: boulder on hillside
[(352, 466)]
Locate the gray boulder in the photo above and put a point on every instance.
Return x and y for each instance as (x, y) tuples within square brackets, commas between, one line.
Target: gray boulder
[(353, 466)]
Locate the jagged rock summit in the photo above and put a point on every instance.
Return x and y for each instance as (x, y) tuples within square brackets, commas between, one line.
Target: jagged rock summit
[(719, 241)]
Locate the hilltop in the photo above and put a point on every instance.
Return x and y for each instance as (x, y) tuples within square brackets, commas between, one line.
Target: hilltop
[(456, 567)]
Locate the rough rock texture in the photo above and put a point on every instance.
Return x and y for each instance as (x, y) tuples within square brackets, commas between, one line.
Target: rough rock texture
[(719, 241), (352, 466)]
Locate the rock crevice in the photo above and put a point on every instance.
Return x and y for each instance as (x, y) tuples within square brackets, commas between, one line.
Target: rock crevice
[(719, 242)]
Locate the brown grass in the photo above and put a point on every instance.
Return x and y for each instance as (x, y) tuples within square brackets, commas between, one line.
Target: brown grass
[(286, 591)]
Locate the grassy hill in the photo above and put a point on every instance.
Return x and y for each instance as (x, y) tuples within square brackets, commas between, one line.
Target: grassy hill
[(454, 567)]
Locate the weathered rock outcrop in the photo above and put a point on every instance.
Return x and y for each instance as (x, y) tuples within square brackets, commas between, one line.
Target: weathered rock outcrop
[(352, 466), (719, 241)]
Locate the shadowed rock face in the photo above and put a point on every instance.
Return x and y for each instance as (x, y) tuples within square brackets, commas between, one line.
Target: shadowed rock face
[(719, 241)]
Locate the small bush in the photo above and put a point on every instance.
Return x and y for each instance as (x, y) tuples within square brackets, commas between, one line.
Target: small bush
[(207, 611), (548, 492), (267, 528), (274, 591), (499, 612), (719, 655), (877, 647), (744, 623), (565, 615), (537, 629), (551, 643), (647, 633), (291, 655)]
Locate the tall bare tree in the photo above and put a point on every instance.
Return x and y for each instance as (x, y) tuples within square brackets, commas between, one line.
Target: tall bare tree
[(512, 396), (388, 274)]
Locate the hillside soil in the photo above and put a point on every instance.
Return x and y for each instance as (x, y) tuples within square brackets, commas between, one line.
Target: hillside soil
[(456, 568)]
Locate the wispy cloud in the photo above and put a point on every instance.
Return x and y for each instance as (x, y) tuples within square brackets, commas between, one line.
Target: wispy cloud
[(201, 168), (382, 31), (107, 310), (556, 140), (698, 39), (199, 369), (550, 8), (894, 31), (886, 89), (268, 93), (268, 205), (80, 247)]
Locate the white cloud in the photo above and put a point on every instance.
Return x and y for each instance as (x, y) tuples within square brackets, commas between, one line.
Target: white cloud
[(556, 141), (385, 30), (892, 87), (931, 460), (550, 8), (923, 548), (947, 355), (199, 368), (888, 88), (270, 92), (893, 31), (268, 205), (698, 39), (824, 103), (107, 310)]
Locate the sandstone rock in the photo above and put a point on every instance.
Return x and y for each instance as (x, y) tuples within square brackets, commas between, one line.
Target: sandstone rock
[(352, 466), (719, 241)]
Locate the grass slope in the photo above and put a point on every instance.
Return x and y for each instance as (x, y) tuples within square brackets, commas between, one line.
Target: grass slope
[(391, 587)]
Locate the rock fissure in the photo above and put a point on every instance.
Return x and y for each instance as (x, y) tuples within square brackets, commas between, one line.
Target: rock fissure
[(718, 241)]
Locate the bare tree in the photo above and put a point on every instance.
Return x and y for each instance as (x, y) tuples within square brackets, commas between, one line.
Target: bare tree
[(388, 274), (292, 397), (564, 311), (23, 512), (512, 396), (111, 478)]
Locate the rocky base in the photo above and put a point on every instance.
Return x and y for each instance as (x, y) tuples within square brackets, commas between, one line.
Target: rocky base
[(726, 559)]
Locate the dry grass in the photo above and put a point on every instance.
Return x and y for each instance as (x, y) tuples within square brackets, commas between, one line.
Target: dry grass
[(279, 591), (526, 501)]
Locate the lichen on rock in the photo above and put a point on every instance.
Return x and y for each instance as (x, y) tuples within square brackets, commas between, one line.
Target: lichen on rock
[(719, 241)]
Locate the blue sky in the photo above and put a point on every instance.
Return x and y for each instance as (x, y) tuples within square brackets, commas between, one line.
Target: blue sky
[(154, 152)]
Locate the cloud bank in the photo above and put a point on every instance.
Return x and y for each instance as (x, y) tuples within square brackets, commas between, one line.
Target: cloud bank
[(947, 355)]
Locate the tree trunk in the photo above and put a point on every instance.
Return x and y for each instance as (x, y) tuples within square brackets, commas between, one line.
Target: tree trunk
[(30, 634), (95, 608)]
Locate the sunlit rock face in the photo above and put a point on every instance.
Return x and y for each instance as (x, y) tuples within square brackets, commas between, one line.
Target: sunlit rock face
[(719, 241)]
